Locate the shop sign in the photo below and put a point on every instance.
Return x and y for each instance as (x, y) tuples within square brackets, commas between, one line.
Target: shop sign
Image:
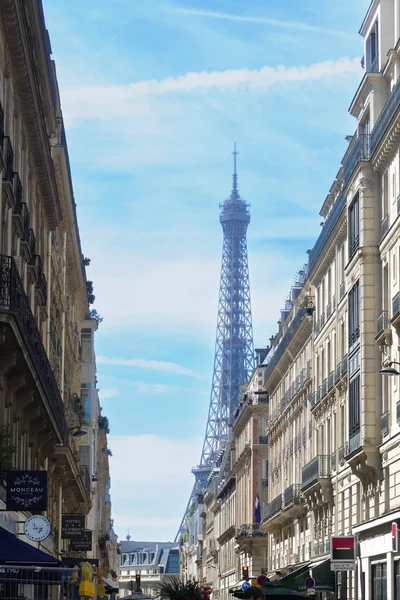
[(72, 526), (26, 490), (82, 544)]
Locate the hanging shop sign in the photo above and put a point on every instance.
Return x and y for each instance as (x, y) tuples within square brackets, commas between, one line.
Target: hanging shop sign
[(26, 490), (72, 526), (37, 528), (82, 544)]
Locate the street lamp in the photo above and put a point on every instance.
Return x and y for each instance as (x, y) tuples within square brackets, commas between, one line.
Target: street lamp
[(389, 369)]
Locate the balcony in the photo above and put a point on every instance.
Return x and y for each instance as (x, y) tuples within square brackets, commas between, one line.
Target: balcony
[(263, 439), (388, 112), (15, 310), (333, 461), (272, 509), (383, 328), (353, 444), (342, 290), (396, 310), (331, 380), (293, 501), (361, 151), (384, 226), (385, 424), (329, 225), (316, 472), (324, 389), (364, 458), (248, 533)]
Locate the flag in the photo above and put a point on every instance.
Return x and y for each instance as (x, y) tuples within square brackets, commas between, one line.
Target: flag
[(257, 510)]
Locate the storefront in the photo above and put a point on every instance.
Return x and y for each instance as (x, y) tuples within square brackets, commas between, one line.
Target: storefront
[(378, 573)]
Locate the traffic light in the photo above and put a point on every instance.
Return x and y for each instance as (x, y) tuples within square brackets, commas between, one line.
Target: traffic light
[(137, 578), (245, 573)]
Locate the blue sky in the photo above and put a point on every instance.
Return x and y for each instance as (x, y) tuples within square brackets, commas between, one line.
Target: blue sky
[(154, 94)]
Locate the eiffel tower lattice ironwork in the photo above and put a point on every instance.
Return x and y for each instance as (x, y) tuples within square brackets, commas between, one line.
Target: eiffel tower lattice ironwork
[(234, 350)]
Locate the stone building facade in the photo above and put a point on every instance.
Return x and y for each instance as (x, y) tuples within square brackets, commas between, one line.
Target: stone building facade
[(44, 305)]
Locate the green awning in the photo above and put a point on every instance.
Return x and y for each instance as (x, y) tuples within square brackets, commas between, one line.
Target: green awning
[(321, 572), (294, 578)]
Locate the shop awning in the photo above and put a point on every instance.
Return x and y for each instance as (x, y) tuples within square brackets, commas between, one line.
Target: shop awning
[(14, 551), (294, 579), (321, 572)]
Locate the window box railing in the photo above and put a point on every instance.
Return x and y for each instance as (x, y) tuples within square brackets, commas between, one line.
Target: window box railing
[(341, 291), (318, 468), (385, 423), (353, 444), (341, 456), (328, 310), (273, 508), (337, 373), (396, 305), (327, 229), (331, 381), (361, 151), (292, 495), (324, 390), (333, 461), (382, 322), (384, 226)]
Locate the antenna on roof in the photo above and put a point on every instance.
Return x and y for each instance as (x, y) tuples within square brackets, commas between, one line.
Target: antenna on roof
[(128, 537), (235, 153)]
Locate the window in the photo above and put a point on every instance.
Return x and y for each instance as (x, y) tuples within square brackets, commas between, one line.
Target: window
[(379, 581), (85, 401), (397, 580), (354, 227), (86, 341), (354, 315), (354, 406), (372, 50)]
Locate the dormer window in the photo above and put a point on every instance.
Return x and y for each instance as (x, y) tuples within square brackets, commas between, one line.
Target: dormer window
[(372, 50)]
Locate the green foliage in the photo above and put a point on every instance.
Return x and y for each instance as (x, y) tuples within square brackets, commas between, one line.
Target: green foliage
[(176, 589), (6, 448)]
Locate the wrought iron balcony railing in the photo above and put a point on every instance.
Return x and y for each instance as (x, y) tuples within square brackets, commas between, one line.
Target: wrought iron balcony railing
[(318, 468), (13, 301), (337, 373), (354, 443), (361, 151), (384, 226), (324, 390), (373, 67), (385, 423), (396, 305), (250, 530), (331, 380), (387, 113), (327, 229), (382, 322), (292, 495), (273, 508)]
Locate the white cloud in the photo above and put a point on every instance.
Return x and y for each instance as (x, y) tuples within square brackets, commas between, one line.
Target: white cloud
[(142, 363), (151, 477), (109, 101), (294, 25), (108, 393)]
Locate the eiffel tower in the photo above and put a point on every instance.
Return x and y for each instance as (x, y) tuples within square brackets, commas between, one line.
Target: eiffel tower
[(234, 351)]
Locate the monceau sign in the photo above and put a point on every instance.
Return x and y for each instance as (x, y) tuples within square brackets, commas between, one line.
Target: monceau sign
[(26, 490)]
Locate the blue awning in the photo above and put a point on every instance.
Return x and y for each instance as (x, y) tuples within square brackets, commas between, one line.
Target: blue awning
[(14, 551)]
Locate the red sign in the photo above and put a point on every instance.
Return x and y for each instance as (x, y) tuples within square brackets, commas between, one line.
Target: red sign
[(343, 549)]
